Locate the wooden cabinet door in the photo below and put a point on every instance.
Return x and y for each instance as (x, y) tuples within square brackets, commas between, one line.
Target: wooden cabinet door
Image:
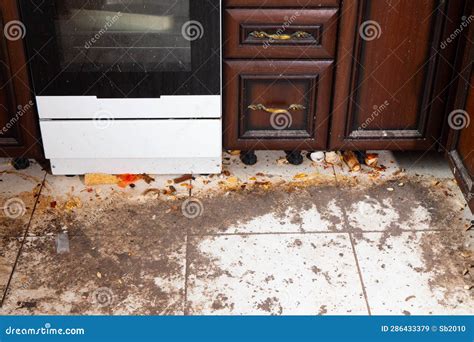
[(461, 118), (276, 105), (18, 123), (393, 72)]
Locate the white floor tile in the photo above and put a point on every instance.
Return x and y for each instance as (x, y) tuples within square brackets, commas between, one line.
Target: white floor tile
[(274, 274), (411, 205), (412, 273)]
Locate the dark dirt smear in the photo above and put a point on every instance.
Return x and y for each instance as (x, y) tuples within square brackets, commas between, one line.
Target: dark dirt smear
[(443, 257), (443, 213), (124, 250), (224, 211), (26, 305), (222, 302), (441, 250), (323, 310), (203, 266), (271, 305), (129, 249), (269, 278), (14, 227)]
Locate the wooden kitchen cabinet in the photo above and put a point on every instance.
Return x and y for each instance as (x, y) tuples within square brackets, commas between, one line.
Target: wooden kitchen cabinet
[(392, 64), (460, 149), (19, 137), (278, 75), (281, 104), (393, 72)]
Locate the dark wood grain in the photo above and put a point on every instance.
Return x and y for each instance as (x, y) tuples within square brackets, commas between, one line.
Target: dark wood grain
[(460, 145), (281, 3), (19, 133), (276, 84), (390, 91), (320, 24)]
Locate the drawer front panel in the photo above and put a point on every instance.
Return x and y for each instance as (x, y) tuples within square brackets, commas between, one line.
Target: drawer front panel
[(280, 33), (165, 107), (281, 104), (281, 3), (91, 139)]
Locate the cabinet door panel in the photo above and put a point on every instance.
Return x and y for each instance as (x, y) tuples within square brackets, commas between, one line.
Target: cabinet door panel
[(10, 133), (398, 73), (19, 135), (461, 118)]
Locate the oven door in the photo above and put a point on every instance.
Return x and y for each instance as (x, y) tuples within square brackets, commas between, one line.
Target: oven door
[(123, 48)]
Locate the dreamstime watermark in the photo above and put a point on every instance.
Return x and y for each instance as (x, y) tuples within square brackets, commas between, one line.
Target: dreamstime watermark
[(281, 120), (377, 110), (192, 30), (464, 24), (286, 24), (46, 330), (370, 30), (459, 119), (14, 30), (103, 119), (102, 297), (14, 208), (21, 110), (192, 208), (110, 21)]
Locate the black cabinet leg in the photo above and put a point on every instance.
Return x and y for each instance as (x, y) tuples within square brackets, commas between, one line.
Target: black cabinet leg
[(248, 157), (21, 163), (360, 156), (294, 157)]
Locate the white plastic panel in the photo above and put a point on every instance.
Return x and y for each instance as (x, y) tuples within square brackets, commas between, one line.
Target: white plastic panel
[(90, 107), (166, 166), (123, 139)]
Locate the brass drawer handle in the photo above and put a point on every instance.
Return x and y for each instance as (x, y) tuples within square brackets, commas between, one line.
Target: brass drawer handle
[(265, 35), (292, 107), (281, 118)]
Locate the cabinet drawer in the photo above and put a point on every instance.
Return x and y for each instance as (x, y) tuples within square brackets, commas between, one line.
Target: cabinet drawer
[(281, 3), (280, 33), (131, 139), (280, 104)]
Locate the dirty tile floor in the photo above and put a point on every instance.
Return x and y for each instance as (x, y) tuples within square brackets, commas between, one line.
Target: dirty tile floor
[(268, 239)]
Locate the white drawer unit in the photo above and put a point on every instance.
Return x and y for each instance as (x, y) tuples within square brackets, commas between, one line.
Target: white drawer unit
[(112, 144), (128, 87), (133, 146)]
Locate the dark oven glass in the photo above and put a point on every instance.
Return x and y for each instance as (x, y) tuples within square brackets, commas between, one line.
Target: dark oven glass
[(123, 48)]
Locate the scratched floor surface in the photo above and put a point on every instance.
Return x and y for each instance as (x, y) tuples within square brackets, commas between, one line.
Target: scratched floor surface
[(268, 239)]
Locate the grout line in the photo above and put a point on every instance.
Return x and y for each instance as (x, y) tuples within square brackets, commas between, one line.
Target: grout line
[(186, 272), (364, 290), (25, 234), (310, 232), (315, 232), (186, 261), (356, 259)]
